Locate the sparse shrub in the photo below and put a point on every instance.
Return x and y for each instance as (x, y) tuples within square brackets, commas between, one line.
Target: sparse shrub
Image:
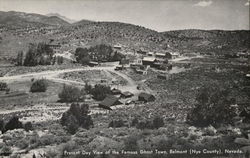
[(117, 123), (165, 144), (88, 88), (1, 125), (131, 143), (5, 151), (69, 146), (59, 60), (212, 108), (193, 137), (77, 116), (210, 131), (99, 92), (22, 144), (19, 59), (135, 121), (3, 86), (34, 141), (71, 94), (39, 86), (158, 122), (145, 124), (13, 123), (47, 140), (28, 126)]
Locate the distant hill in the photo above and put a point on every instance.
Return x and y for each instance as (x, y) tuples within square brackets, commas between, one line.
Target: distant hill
[(61, 17), (29, 19), (132, 37), (82, 22), (217, 41)]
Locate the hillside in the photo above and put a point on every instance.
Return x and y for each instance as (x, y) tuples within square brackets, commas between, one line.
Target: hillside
[(217, 41), (82, 22), (27, 19), (61, 17), (115, 33), (19, 29)]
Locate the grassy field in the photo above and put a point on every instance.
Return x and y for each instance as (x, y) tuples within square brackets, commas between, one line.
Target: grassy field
[(28, 98)]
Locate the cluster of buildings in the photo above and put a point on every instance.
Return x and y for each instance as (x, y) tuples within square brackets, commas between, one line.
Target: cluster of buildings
[(158, 61), (116, 97)]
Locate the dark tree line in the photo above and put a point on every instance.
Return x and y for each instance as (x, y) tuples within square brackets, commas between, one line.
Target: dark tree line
[(37, 54), (14, 123), (212, 108), (98, 53)]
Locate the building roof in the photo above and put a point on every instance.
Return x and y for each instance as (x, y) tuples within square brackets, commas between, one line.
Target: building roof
[(110, 100), (151, 59), (93, 63), (174, 53), (117, 46), (127, 94), (160, 54)]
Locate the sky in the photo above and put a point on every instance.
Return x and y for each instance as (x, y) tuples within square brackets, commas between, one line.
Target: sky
[(159, 15)]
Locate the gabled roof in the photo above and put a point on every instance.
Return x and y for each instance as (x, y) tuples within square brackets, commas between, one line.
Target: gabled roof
[(127, 93), (174, 53), (151, 59), (160, 54), (110, 100)]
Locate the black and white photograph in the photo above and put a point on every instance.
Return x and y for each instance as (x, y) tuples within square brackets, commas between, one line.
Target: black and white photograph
[(124, 79)]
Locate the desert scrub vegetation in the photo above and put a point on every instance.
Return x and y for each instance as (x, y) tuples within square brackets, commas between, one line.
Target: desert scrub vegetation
[(3, 86), (71, 94), (13, 123), (40, 85), (213, 108), (77, 116), (154, 123)]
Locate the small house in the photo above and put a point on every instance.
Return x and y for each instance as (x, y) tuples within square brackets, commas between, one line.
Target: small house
[(118, 47), (148, 61), (92, 64), (119, 67), (174, 55), (168, 55), (145, 97), (150, 53), (127, 94), (109, 101), (160, 55)]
